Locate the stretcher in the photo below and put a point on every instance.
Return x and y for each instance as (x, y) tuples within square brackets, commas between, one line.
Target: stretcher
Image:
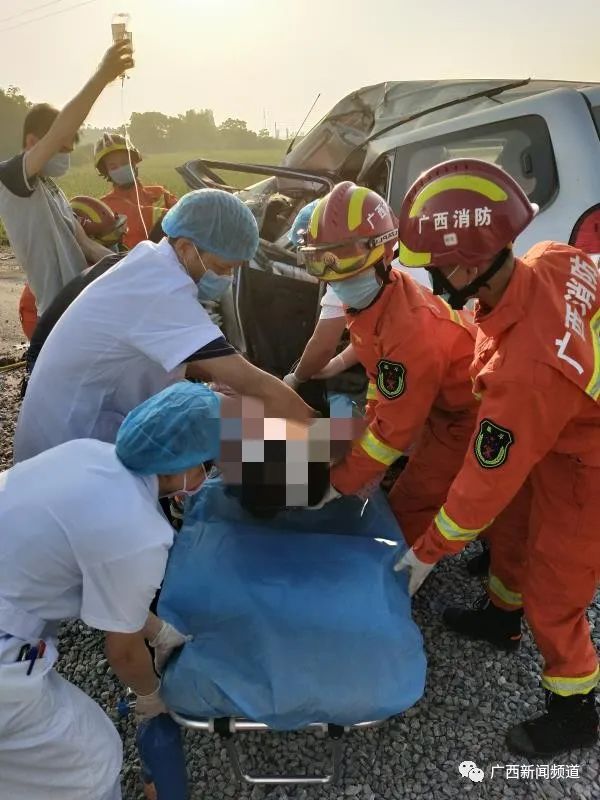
[(227, 729), (299, 624), (163, 760), (164, 765)]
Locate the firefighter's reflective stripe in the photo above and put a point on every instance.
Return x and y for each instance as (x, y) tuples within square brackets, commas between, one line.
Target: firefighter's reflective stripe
[(453, 313), (378, 450), (593, 387), (371, 391), (569, 686), (159, 208), (502, 592), (453, 532)]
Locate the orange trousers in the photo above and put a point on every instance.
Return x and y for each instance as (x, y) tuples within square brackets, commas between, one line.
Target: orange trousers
[(423, 486), (544, 547), (563, 570), (28, 311)]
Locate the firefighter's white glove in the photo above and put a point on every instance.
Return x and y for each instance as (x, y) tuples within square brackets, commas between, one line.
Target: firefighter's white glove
[(292, 381), (331, 494), (149, 705), (417, 570), (166, 640)]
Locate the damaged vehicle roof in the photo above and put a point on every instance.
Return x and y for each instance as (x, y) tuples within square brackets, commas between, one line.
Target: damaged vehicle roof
[(359, 128), (544, 133)]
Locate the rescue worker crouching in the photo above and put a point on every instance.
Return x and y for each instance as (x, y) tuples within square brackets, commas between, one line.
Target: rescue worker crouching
[(319, 359), (537, 370), (91, 543), (349, 243), (415, 349)]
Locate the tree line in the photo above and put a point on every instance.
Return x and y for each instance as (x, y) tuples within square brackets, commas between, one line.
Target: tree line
[(150, 131)]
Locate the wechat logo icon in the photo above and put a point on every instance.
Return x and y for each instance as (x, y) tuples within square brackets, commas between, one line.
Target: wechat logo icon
[(470, 770)]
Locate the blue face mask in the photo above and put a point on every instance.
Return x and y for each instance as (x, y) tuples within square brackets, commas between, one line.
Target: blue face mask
[(122, 176), (56, 166), (357, 292), (212, 286)]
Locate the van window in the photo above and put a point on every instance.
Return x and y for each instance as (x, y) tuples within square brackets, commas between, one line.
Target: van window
[(521, 146), (378, 178), (596, 116)]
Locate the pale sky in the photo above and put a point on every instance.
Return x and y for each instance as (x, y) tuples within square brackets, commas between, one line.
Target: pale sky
[(240, 57)]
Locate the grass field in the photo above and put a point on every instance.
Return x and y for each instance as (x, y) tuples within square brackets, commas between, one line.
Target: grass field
[(160, 169)]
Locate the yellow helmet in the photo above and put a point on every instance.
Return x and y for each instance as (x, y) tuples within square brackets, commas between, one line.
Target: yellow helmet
[(350, 230), (113, 143)]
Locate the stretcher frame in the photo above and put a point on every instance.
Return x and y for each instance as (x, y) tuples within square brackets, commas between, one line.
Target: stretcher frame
[(227, 728)]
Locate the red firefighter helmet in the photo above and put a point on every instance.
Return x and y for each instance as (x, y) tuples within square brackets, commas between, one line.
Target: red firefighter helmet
[(98, 220), (113, 143), (350, 229), (462, 212)]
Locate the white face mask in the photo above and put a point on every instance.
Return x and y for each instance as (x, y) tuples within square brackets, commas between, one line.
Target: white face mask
[(56, 166), (185, 491), (122, 176)]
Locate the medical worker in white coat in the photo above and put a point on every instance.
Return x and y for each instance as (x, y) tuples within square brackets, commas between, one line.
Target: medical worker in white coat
[(82, 536), (139, 328)]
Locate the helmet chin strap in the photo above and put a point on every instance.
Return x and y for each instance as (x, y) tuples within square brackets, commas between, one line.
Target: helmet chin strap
[(458, 297), (383, 270)]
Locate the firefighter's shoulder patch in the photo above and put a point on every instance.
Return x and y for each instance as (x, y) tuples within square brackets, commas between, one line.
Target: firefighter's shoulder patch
[(391, 378), (492, 444)]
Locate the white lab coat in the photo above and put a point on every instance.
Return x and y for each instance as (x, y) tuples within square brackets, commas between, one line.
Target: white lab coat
[(55, 742), (86, 540), (122, 340)]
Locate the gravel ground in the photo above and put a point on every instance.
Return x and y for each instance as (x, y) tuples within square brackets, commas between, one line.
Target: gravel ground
[(473, 694)]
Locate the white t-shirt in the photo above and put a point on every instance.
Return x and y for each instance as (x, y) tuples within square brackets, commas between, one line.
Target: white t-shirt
[(82, 537), (122, 340), (332, 307)]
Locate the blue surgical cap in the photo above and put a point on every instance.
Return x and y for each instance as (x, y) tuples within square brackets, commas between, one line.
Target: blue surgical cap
[(301, 222), (173, 431), (215, 221)]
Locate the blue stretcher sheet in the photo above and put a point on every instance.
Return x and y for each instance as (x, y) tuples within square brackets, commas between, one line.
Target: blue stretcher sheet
[(295, 620)]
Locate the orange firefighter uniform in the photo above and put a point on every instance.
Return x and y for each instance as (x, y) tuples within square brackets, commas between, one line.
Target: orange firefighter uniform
[(539, 382), (154, 202), (417, 352)]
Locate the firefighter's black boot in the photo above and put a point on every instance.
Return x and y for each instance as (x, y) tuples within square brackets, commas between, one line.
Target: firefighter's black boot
[(486, 621), (479, 566), (568, 724)]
